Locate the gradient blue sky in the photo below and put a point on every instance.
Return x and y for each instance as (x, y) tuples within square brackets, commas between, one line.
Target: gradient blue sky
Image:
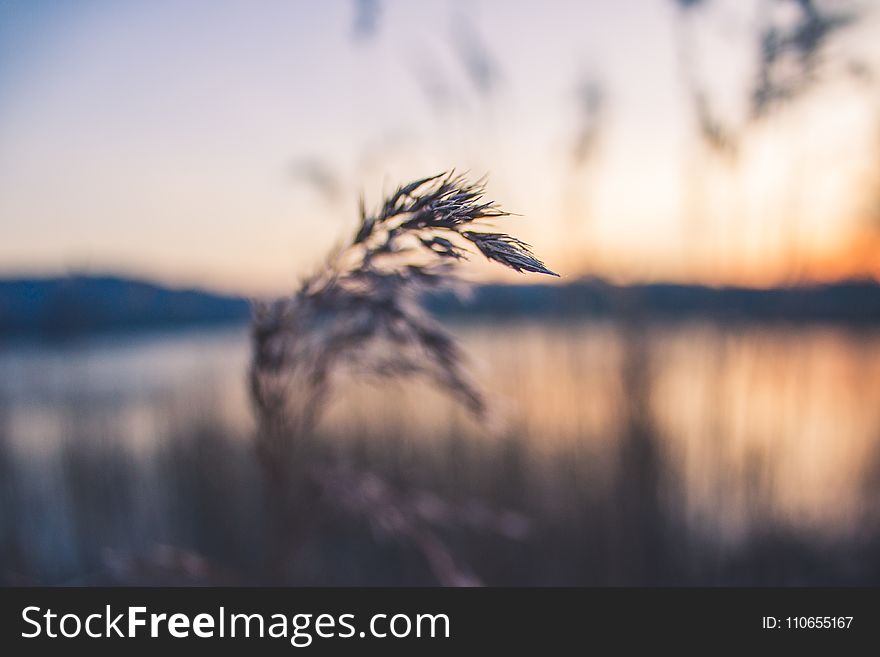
[(225, 143)]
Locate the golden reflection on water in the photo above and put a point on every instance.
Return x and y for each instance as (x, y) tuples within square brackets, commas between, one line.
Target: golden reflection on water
[(769, 422), (774, 420)]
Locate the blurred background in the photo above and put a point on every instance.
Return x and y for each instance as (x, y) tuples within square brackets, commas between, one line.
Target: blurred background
[(696, 401)]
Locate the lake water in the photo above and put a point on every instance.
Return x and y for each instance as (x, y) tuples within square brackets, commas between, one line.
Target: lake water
[(757, 425)]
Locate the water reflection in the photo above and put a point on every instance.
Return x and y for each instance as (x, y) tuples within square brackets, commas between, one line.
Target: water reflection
[(683, 453)]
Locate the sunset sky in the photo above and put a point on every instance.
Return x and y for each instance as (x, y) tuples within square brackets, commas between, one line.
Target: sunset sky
[(225, 144)]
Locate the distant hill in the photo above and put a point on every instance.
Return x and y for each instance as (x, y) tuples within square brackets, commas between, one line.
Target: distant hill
[(846, 301), (85, 304), (46, 307)]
